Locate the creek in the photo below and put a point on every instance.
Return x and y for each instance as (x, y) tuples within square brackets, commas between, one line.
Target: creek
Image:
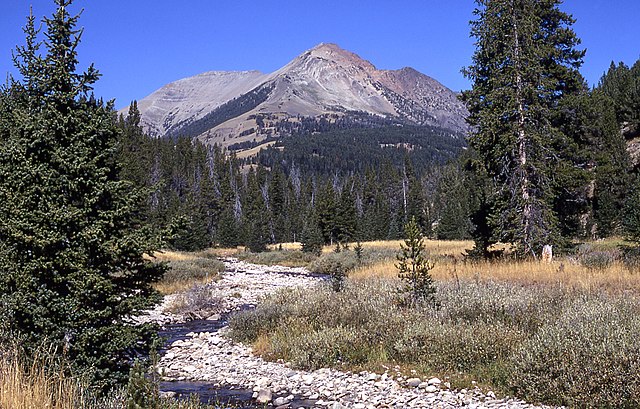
[(221, 396)]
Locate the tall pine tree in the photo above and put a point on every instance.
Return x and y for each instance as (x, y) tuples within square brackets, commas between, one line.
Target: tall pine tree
[(524, 64), (72, 270)]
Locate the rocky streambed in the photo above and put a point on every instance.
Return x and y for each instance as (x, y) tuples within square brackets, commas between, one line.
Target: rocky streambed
[(200, 358)]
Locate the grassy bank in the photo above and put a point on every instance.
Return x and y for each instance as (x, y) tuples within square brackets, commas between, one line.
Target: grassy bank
[(560, 333), (36, 383), (188, 269)]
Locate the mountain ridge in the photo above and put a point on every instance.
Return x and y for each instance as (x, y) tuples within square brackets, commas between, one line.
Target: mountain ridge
[(325, 82)]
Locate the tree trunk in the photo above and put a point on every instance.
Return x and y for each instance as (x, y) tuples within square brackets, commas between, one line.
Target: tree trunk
[(522, 171)]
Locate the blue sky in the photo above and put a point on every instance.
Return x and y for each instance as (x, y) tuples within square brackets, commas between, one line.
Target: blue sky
[(140, 45)]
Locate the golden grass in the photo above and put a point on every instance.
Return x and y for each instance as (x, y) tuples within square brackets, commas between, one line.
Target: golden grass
[(165, 288), (451, 265), (561, 271), (33, 387), (285, 246), (435, 247), (191, 265), (253, 151), (170, 255)]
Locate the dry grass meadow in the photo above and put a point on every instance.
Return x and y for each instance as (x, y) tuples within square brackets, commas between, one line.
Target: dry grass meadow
[(189, 269), (567, 271), (451, 265)]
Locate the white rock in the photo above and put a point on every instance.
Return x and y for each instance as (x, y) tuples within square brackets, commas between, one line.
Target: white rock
[(280, 401), (264, 396), (413, 382), (434, 381), (431, 389)]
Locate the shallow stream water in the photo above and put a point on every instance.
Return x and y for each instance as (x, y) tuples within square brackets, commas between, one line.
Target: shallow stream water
[(208, 393)]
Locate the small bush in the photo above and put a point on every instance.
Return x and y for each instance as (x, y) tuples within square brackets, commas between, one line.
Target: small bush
[(192, 269), (197, 301), (330, 262), (596, 260), (631, 259), (456, 347), (489, 303), (291, 258)]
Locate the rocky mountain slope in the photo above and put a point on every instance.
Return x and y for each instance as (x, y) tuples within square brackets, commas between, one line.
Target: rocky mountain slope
[(323, 85)]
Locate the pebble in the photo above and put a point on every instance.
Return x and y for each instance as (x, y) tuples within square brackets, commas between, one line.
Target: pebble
[(212, 357)]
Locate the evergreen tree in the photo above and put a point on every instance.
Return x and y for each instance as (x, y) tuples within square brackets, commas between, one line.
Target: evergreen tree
[(71, 250), (631, 218), (255, 213), (524, 64), (326, 209), (412, 194), (414, 266), (346, 216), (311, 237), (452, 202)]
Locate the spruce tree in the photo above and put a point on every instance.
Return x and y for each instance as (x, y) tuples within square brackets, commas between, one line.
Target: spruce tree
[(524, 64), (414, 266), (72, 271), (311, 237)]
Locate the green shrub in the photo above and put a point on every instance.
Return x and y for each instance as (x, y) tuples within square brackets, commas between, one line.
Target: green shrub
[(631, 259), (541, 343), (455, 347), (330, 262), (524, 308), (364, 314), (588, 357), (279, 257), (195, 269)]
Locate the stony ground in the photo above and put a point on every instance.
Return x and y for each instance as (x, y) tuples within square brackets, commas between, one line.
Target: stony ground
[(212, 357)]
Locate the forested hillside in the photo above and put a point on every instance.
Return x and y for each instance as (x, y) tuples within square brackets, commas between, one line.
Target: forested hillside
[(347, 151)]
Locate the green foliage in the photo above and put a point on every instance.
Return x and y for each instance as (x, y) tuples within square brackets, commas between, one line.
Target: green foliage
[(453, 201), (588, 357), (355, 150), (311, 238), (622, 85), (358, 249), (631, 217), (143, 388), (517, 84), (71, 241), (414, 266)]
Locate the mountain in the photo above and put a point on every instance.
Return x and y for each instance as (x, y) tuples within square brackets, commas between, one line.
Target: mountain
[(323, 87)]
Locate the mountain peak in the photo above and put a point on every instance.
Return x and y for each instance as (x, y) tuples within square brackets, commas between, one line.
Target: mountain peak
[(243, 107), (333, 52), (327, 46)]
